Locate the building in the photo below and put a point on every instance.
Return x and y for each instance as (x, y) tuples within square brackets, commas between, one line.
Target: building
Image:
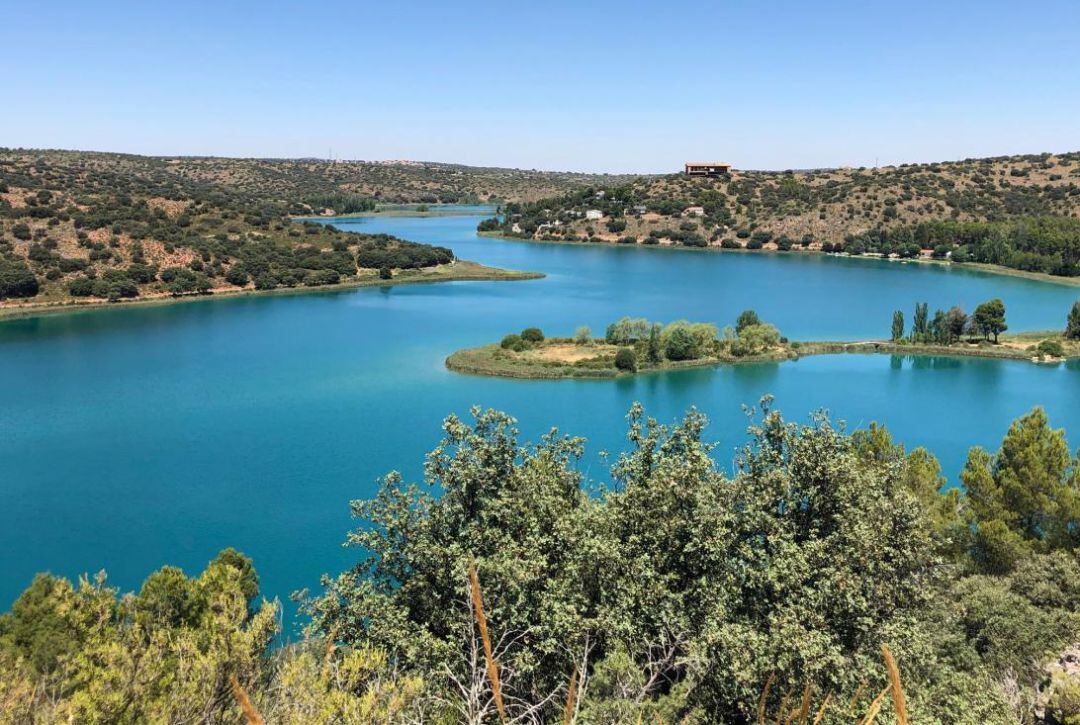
[(707, 168), (594, 214), (694, 211)]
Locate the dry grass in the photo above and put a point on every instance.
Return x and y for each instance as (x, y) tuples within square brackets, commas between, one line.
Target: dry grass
[(251, 715), (801, 714), (481, 621)]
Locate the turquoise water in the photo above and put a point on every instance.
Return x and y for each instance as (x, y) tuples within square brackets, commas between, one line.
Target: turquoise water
[(134, 437)]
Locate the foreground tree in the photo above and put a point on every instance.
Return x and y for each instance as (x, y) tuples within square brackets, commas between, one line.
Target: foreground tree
[(1026, 497)]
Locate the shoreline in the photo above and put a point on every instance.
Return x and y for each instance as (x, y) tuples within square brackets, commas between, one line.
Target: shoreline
[(481, 360), (994, 269), (461, 270), (403, 210)]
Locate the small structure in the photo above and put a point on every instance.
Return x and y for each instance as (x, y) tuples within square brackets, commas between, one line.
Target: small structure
[(707, 168), (594, 214), (694, 211)]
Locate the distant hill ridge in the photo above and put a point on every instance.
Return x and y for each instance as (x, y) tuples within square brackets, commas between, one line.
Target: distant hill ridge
[(1013, 211)]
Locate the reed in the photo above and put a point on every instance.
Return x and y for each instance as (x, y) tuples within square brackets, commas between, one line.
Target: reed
[(489, 656), (568, 711), (251, 715), (899, 702)]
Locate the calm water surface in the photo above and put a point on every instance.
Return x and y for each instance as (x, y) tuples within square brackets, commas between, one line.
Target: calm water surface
[(131, 438)]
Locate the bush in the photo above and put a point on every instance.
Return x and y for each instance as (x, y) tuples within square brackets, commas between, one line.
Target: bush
[(512, 342), (532, 334), (386, 273), (626, 359), (1051, 348), (237, 275), (81, 287), (16, 279)]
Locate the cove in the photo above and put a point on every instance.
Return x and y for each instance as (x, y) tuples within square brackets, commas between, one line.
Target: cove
[(135, 437)]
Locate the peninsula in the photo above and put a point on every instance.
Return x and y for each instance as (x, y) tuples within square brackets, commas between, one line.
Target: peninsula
[(638, 346)]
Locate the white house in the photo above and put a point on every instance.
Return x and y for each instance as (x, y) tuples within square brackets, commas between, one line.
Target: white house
[(694, 211), (594, 214)]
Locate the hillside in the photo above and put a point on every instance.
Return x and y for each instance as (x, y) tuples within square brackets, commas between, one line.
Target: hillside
[(77, 227), (1018, 211)]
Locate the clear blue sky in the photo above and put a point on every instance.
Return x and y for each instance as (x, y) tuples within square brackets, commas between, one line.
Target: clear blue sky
[(601, 86)]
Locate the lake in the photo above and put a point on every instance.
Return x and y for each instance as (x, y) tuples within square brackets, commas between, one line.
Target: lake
[(135, 437)]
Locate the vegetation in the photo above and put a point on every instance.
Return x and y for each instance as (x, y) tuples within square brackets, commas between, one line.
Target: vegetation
[(630, 345), (1072, 323), (1017, 212), (946, 328), (109, 227), (683, 590)]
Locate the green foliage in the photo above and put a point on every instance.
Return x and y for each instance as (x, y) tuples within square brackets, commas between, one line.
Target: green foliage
[(16, 279), (746, 319), (625, 359), (513, 342), (898, 325), (1026, 497), (662, 578), (582, 335), (1052, 348), (1072, 324), (989, 318), (755, 339), (627, 331), (532, 335), (676, 590)]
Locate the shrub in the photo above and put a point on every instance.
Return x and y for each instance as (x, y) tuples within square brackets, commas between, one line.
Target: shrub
[(237, 275), (512, 342), (1051, 348), (81, 287), (386, 273), (626, 359), (532, 334), (16, 279)]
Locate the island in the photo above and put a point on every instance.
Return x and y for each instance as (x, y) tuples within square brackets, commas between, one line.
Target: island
[(636, 346)]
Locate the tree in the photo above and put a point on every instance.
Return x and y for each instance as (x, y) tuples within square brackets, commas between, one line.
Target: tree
[(746, 319), (756, 339), (956, 320), (653, 349), (582, 335), (897, 325), (1072, 324), (990, 318), (625, 359), (1024, 498), (831, 557), (920, 328)]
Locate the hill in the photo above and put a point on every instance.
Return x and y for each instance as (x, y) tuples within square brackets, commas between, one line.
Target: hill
[(78, 226), (1016, 211)]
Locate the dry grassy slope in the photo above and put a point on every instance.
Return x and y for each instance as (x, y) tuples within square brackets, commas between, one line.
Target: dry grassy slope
[(830, 204), (292, 179), (69, 215)]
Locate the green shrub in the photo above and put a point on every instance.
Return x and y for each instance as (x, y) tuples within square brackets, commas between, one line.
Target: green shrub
[(532, 334), (512, 342), (1051, 348), (626, 359), (16, 279)]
